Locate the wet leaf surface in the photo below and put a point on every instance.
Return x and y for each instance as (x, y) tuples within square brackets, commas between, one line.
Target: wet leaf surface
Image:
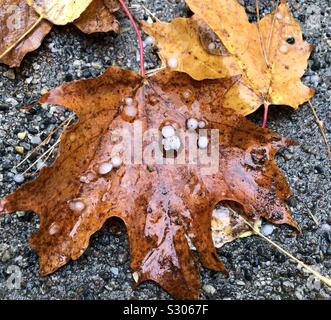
[(166, 204)]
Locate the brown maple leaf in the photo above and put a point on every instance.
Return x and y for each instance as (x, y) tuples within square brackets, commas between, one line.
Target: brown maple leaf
[(22, 29), (219, 41), (165, 202), (98, 17)]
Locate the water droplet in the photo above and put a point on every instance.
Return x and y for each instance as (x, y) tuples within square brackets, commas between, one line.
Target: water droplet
[(105, 168), (172, 63), (168, 131), (287, 20), (77, 205), (90, 176), (129, 101), (53, 228), (171, 143), (212, 46), (130, 111), (202, 124), (279, 16), (187, 94), (283, 48), (149, 41), (203, 142), (192, 124), (116, 161)]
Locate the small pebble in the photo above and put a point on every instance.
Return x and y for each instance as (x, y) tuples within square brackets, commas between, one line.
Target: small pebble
[(19, 149), (35, 139), (21, 135), (114, 271), (18, 178), (267, 229), (209, 289)]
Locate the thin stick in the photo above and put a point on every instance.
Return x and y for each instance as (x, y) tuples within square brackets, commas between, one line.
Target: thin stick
[(259, 32), (265, 116), (140, 41), (321, 127), (151, 72), (313, 217), (26, 33), (324, 279), (151, 13), (45, 141), (43, 155)]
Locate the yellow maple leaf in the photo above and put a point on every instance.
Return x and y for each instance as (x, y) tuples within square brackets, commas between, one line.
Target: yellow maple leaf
[(271, 55), (59, 12)]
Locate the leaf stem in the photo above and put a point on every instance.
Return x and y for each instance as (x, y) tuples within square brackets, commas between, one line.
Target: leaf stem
[(140, 41), (265, 116)]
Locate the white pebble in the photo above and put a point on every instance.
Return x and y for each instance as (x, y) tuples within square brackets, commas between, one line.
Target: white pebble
[(202, 124), (77, 205), (171, 143), (35, 139), (172, 63), (116, 161), (203, 142), (130, 111), (168, 131), (267, 229), (192, 124), (105, 168), (18, 178)]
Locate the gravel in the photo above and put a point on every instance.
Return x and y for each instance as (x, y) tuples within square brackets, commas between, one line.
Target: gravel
[(257, 270)]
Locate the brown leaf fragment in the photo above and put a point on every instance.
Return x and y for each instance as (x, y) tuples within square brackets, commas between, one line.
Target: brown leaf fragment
[(166, 199), (16, 18), (98, 17)]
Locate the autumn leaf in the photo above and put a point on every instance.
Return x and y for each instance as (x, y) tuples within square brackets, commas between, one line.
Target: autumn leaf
[(16, 18), (271, 55), (166, 193), (22, 29), (98, 17), (59, 12)]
